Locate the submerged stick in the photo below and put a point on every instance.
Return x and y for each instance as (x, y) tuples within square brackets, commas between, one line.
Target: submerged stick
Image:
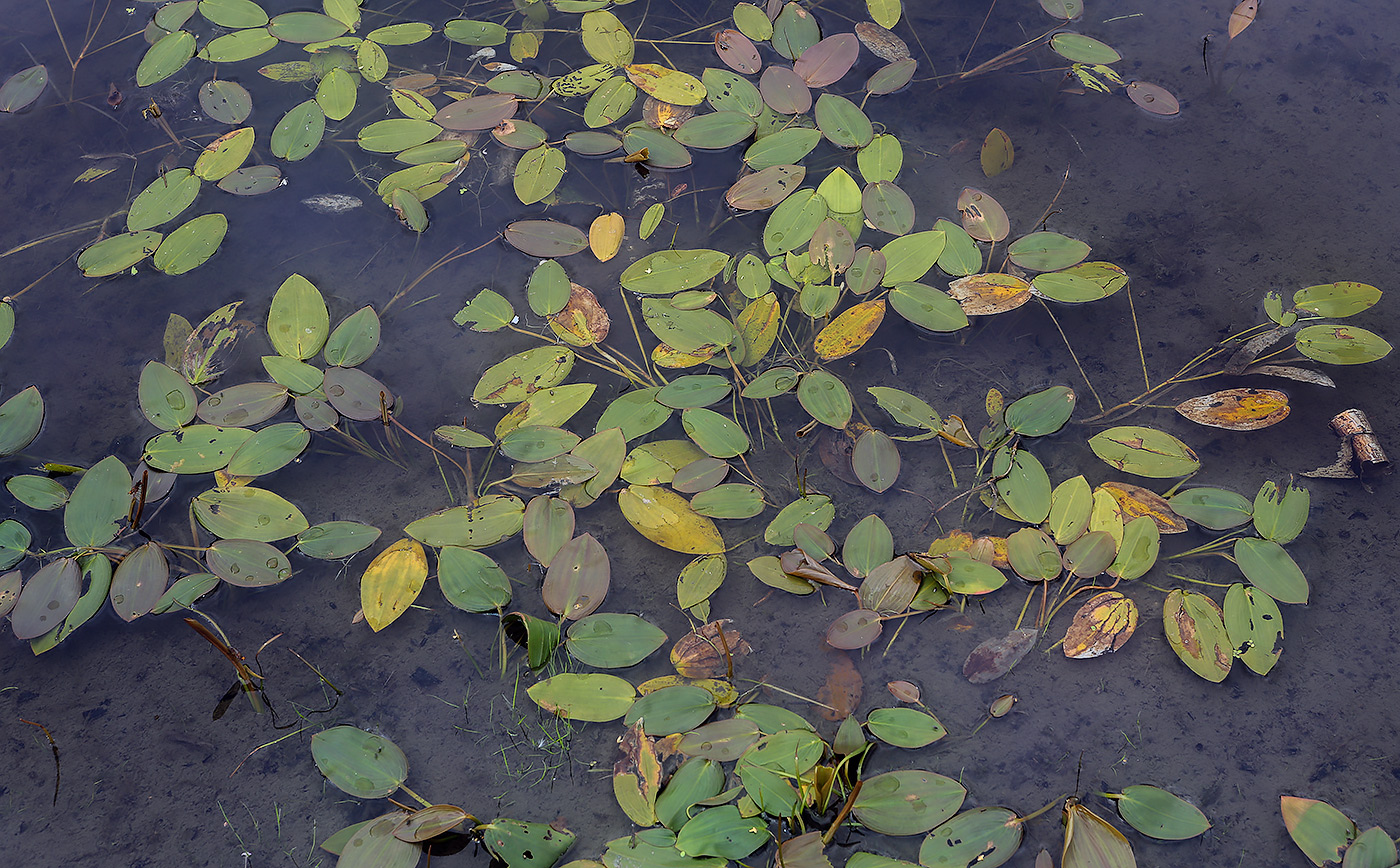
[(53, 744)]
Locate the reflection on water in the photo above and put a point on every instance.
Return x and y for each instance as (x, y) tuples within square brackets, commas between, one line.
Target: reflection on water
[(1274, 178)]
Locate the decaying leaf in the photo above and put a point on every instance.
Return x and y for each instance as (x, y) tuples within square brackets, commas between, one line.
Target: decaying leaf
[(1134, 501), (842, 691), (995, 657), (1100, 626), (986, 294), (1237, 409), (904, 691), (583, 322), (709, 650), (1242, 17), (637, 776)]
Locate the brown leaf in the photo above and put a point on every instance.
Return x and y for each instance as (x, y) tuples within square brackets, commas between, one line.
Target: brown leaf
[(1101, 625), (583, 322), (995, 657), (1242, 17), (707, 651), (842, 691)]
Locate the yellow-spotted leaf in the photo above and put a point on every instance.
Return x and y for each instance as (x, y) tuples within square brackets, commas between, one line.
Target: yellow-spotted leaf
[(667, 85), (666, 519), (1101, 625), (1237, 409), (850, 330), (392, 581)]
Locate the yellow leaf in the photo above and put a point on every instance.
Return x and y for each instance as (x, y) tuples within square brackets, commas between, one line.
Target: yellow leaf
[(605, 236), (1135, 501), (1107, 515), (1091, 841), (392, 582), (666, 519), (724, 693), (984, 294), (758, 325), (1102, 625), (670, 357), (667, 85), (1237, 409), (849, 331), (1242, 17), (997, 153)]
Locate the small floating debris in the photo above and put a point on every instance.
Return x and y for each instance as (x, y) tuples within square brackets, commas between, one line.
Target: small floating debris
[(1359, 450), (332, 203)]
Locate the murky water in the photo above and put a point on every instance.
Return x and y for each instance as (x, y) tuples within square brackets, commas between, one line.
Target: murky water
[(1277, 176)]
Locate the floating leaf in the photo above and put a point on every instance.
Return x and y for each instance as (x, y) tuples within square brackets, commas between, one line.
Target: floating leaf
[(875, 461), (1340, 345), (1153, 98), (47, 598), (1241, 17), (982, 216), (1101, 626), (99, 504), (1237, 409), (473, 582), (1195, 629), (1280, 516), (365, 765), (1341, 299), (299, 131), (1091, 841), (1321, 831), (1269, 568), (165, 58), (666, 85), (826, 398), (982, 836), (1041, 413), (666, 519), (577, 579), (1078, 48), (1145, 451), (591, 697), (247, 513), (1213, 508), (907, 802), (392, 582), (855, 630), (995, 657), (613, 641), (21, 416)]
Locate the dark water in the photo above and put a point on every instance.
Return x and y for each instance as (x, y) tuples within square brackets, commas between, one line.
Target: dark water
[(1280, 175)]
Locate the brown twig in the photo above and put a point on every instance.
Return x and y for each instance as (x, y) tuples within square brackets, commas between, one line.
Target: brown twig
[(53, 744)]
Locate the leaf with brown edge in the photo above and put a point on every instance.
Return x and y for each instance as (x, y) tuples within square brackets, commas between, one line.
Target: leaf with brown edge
[(850, 330), (1135, 501), (637, 776), (583, 322), (1101, 626), (1237, 409)]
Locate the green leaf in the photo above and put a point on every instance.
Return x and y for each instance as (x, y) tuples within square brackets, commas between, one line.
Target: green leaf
[(333, 540), (718, 435), (1321, 831), (488, 311), (1145, 451), (191, 244), (354, 340), (1041, 413), (1341, 299), (472, 581), (298, 321), (1255, 627), (162, 200), (493, 518), (269, 449), (99, 504), (1078, 48), (605, 38), (246, 563), (235, 14), (537, 173), (1280, 516), (1195, 629), (814, 509), (139, 581), (669, 271), (194, 449), (471, 32), (927, 307), (721, 832), (396, 134), (1213, 508), (336, 94), (22, 88), (904, 727), (248, 513), (613, 641), (1269, 568), (1341, 345), (1047, 251), (238, 46), (299, 131), (591, 697), (981, 836), (826, 398), (670, 710), (305, 27), (165, 58), (37, 492), (1159, 814), (118, 253), (525, 845), (20, 419), (842, 122), (365, 765), (907, 802)]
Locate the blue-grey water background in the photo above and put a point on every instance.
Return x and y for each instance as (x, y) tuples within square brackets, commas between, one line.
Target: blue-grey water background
[(1281, 175)]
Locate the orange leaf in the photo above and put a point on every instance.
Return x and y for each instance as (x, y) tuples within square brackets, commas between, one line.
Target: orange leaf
[(1237, 409), (1242, 17)]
